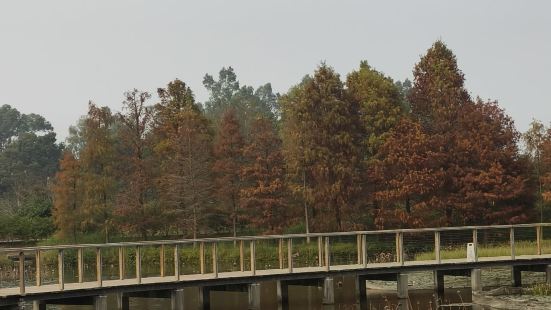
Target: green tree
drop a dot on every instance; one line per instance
(381, 105)
(535, 139)
(29, 155)
(225, 93)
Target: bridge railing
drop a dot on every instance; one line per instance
(212, 257)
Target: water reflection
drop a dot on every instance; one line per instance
(302, 297)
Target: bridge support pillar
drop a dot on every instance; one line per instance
(204, 297)
(361, 292)
(177, 299)
(254, 296)
(123, 301)
(328, 291)
(282, 295)
(38, 305)
(100, 302)
(438, 285)
(476, 280)
(402, 286)
(516, 274)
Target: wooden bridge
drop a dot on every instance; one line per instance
(244, 262)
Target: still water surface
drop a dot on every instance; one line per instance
(300, 297)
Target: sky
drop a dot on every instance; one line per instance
(56, 55)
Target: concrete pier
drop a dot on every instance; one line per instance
(254, 296)
(402, 286)
(123, 301)
(328, 291)
(361, 292)
(476, 280)
(177, 299)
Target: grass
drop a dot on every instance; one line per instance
(457, 252)
(541, 289)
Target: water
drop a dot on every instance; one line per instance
(300, 297)
(381, 294)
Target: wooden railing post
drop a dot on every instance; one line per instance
(60, 270)
(162, 260)
(214, 260)
(280, 252)
(400, 248)
(202, 257)
(122, 264)
(364, 251)
(359, 248)
(241, 255)
(290, 255)
(99, 263)
(80, 265)
(475, 244)
(437, 256)
(512, 240)
(253, 257)
(327, 253)
(139, 264)
(539, 237)
(22, 273)
(320, 251)
(38, 268)
(177, 261)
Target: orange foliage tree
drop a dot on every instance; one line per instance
(228, 153)
(264, 174)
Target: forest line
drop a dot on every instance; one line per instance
(366, 152)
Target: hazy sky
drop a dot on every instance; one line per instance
(57, 55)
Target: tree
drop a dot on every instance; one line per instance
(67, 192)
(381, 105)
(183, 146)
(264, 175)
(325, 137)
(535, 140)
(227, 166)
(29, 155)
(225, 93)
(471, 147)
(133, 205)
(98, 160)
(298, 176)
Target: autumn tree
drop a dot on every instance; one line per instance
(263, 196)
(474, 173)
(183, 146)
(98, 160)
(228, 154)
(67, 192)
(325, 137)
(133, 201)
